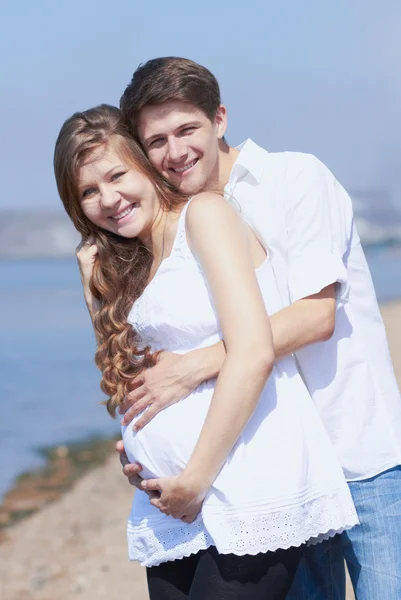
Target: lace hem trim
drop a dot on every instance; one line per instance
(240, 534)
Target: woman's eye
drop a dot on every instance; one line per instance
(88, 192)
(117, 175)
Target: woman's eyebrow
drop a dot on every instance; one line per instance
(89, 184)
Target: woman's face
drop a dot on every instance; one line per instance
(116, 196)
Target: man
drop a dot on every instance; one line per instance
(331, 320)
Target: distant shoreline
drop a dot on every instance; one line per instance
(49, 233)
(68, 253)
(64, 465)
(36, 234)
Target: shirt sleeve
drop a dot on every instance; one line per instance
(319, 223)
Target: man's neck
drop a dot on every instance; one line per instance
(227, 157)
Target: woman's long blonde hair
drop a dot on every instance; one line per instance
(122, 266)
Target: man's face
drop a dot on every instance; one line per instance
(183, 144)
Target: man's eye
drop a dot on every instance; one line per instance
(156, 142)
(188, 130)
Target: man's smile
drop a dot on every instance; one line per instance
(185, 168)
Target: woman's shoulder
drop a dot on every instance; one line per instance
(207, 205)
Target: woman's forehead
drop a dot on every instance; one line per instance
(105, 153)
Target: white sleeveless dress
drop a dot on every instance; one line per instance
(280, 486)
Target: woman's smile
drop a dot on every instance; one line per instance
(124, 215)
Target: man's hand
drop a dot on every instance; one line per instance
(179, 496)
(169, 381)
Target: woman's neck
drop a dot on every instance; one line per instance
(161, 238)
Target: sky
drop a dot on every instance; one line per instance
(306, 75)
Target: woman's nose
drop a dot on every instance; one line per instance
(110, 198)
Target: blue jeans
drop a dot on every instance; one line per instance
(372, 550)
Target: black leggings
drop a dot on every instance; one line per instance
(208, 575)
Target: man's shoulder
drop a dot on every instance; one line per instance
(290, 167)
(282, 170)
(292, 160)
(288, 160)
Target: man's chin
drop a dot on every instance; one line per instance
(190, 187)
(186, 185)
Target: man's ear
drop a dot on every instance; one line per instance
(221, 121)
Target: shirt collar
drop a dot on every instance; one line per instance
(250, 160)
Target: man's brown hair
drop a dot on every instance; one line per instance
(170, 78)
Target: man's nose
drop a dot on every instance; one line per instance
(177, 151)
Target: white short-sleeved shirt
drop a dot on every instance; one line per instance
(305, 218)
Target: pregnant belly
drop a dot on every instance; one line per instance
(164, 446)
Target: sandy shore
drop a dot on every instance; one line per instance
(76, 547)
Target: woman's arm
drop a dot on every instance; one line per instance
(220, 241)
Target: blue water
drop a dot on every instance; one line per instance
(49, 385)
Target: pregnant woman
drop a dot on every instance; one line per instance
(164, 272)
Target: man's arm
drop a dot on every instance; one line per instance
(305, 322)
(319, 222)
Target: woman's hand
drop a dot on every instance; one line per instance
(180, 496)
(86, 253)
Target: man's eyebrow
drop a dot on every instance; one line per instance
(177, 129)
